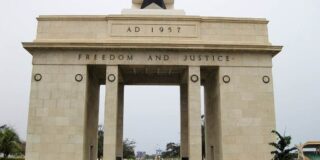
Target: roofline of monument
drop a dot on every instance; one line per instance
(150, 17)
(274, 50)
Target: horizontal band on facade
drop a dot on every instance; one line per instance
(218, 47)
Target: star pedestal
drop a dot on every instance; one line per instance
(172, 12)
(138, 3)
(152, 9)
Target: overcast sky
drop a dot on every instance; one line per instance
(295, 24)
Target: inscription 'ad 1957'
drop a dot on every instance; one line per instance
(154, 30)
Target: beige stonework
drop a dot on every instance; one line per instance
(73, 55)
(194, 113)
(100, 29)
(111, 113)
(247, 113)
(57, 113)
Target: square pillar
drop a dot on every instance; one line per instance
(120, 122)
(57, 113)
(194, 113)
(111, 113)
(184, 121)
(247, 112)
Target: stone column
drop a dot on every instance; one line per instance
(120, 122)
(194, 113)
(184, 121)
(111, 113)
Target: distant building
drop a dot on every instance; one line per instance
(141, 155)
(159, 152)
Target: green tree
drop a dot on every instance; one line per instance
(128, 149)
(172, 151)
(128, 146)
(282, 150)
(10, 143)
(23, 145)
(100, 142)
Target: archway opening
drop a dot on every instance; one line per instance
(152, 117)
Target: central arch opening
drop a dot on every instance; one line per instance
(152, 108)
(152, 117)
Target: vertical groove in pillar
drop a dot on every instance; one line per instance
(92, 116)
(212, 115)
(120, 121)
(194, 114)
(111, 113)
(184, 120)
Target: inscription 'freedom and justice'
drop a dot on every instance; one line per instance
(158, 57)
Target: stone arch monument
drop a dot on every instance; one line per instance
(74, 55)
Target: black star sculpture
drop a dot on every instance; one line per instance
(160, 3)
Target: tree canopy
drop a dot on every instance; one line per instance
(100, 142)
(128, 149)
(172, 151)
(282, 147)
(10, 143)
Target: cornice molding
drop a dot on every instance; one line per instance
(31, 46)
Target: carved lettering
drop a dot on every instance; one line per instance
(166, 58)
(162, 30)
(150, 58)
(129, 57)
(121, 57)
(227, 58)
(159, 58)
(156, 57)
(200, 58)
(112, 57)
(179, 29)
(137, 29)
(104, 57)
